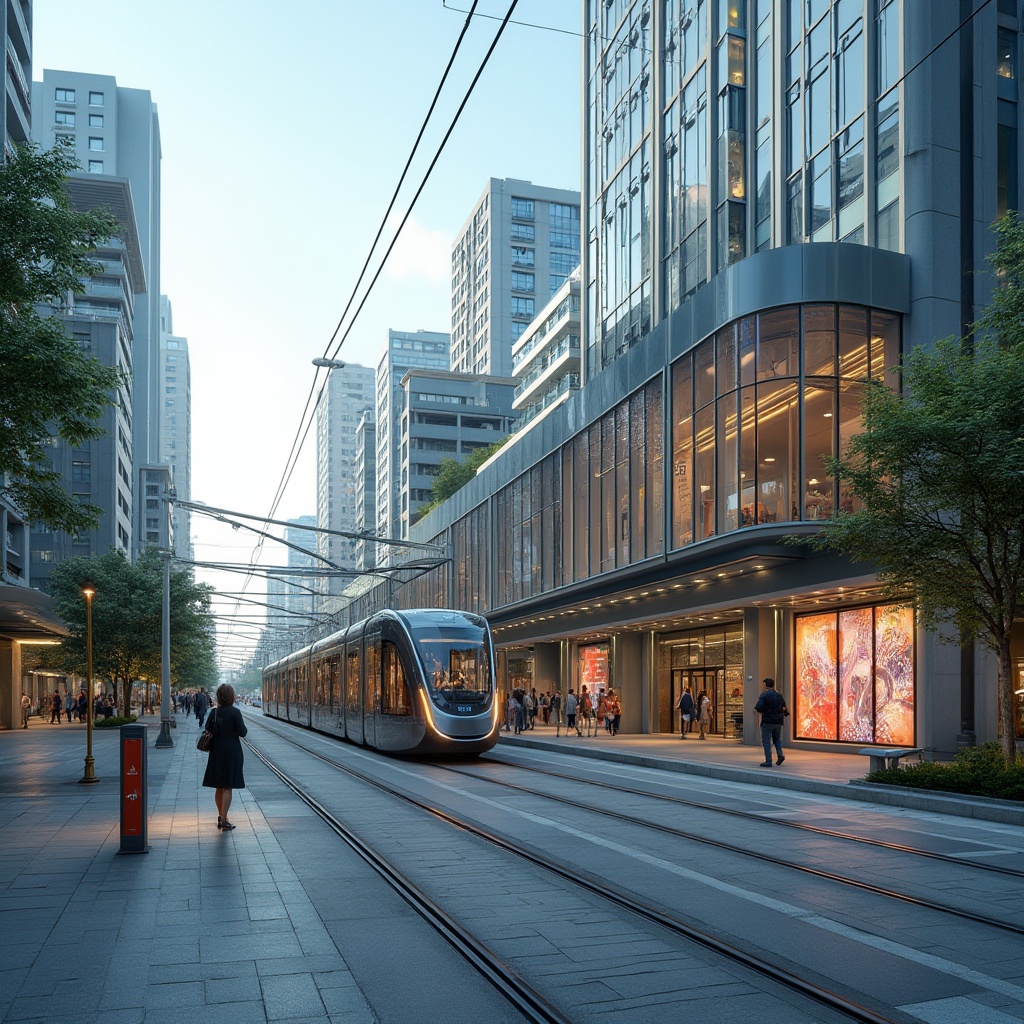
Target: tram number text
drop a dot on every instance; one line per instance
(463, 708)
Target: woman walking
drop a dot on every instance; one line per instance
(224, 762)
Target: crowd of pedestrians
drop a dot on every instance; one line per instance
(579, 713)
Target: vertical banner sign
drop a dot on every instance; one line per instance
(134, 784)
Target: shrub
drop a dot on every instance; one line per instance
(975, 771)
(113, 720)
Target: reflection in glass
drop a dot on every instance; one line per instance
(704, 475)
(820, 341)
(819, 444)
(682, 454)
(777, 343)
(728, 462)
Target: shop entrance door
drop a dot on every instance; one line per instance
(710, 680)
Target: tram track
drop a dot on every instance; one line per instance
(763, 819)
(531, 1003)
(820, 873)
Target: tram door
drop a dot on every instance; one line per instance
(710, 680)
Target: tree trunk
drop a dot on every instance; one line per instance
(1006, 703)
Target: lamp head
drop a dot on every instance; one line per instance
(88, 590)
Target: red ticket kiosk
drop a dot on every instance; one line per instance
(134, 787)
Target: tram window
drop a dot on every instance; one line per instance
(372, 681)
(394, 692)
(336, 681)
(457, 668)
(352, 678)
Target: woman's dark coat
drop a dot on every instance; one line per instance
(224, 762)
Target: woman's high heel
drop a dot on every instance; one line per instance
(227, 826)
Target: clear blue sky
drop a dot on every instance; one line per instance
(285, 127)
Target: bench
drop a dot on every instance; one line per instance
(882, 758)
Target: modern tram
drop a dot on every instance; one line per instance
(410, 682)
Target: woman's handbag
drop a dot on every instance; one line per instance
(206, 739)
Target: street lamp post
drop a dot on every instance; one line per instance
(88, 590)
(164, 739)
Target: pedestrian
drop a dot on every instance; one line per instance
(556, 708)
(614, 713)
(686, 709)
(528, 710)
(200, 705)
(533, 708)
(81, 709)
(56, 706)
(571, 707)
(69, 706)
(224, 760)
(545, 709)
(586, 709)
(26, 708)
(703, 713)
(771, 706)
(518, 711)
(602, 711)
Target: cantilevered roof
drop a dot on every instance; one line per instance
(94, 191)
(27, 614)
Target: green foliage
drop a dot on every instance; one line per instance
(454, 474)
(939, 468)
(976, 771)
(49, 385)
(127, 621)
(113, 721)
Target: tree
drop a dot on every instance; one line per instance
(939, 469)
(454, 474)
(49, 385)
(127, 621)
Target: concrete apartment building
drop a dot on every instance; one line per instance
(175, 434)
(547, 359)
(115, 133)
(102, 471)
(516, 248)
(365, 462)
(16, 32)
(404, 351)
(446, 415)
(349, 392)
(780, 199)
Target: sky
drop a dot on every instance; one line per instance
(284, 128)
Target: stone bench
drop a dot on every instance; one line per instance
(882, 757)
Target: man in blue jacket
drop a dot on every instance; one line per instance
(771, 706)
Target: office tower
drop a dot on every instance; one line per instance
(175, 433)
(404, 351)
(100, 320)
(780, 199)
(365, 462)
(446, 415)
(349, 391)
(115, 134)
(516, 248)
(16, 112)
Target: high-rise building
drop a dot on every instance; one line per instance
(292, 597)
(516, 248)
(365, 462)
(16, 112)
(175, 434)
(404, 351)
(446, 415)
(348, 394)
(780, 199)
(100, 472)
(115, 134)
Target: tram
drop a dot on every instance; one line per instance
(410, 682)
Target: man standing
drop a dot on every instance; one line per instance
(772, 707)
(26, 707)
(200, 706)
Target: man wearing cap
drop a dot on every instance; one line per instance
(773, 711)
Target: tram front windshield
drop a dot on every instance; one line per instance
(456, 662)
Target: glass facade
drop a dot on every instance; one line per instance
(757, 407)
(855, 675)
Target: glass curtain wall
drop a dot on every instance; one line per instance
(752, 421)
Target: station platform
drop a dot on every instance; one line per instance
(219, 926)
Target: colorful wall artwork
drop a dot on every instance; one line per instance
(594, 667)
(855, 675)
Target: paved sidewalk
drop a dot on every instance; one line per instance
(208, 925)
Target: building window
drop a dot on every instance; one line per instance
(95, 99)
(81, 472)
(64, 95)
(522, 209)
(95, 120)
(95, 166)
(95, 144)
(64, 117)
(522, 282)
(522, 306)
(522, 256)
(855, 675)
